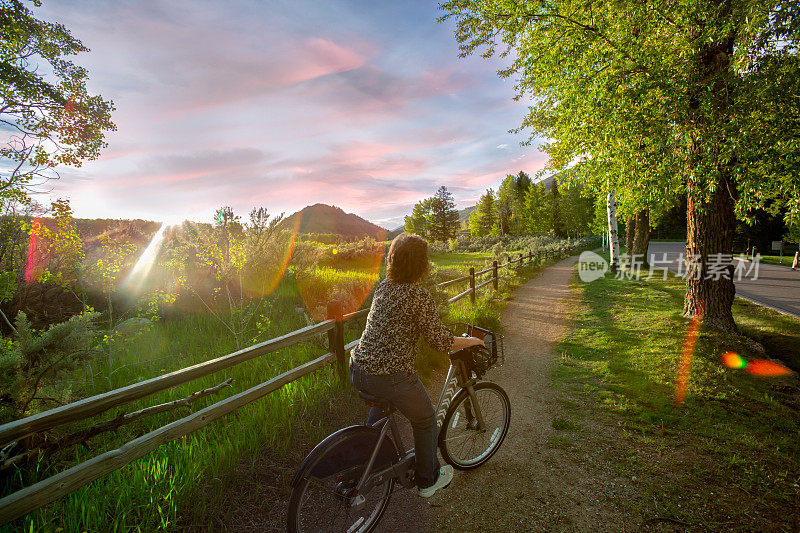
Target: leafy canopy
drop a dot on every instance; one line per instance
(47, 117)
(627, 92)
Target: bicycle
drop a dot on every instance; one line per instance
(345, 483)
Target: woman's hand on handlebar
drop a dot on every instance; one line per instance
(459, 343)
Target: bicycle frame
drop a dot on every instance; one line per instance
(457, 379)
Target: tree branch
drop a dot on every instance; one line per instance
(80, 437)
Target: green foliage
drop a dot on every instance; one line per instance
(419, 220)
(60, 248)
(8, 285)
(511, 203)
(654, 102)
(434, 218)
(577, 211)
(33, 366)
(246, 261)
(52, 118)
(103, 273)
(443, 223)
(321, 285)
(538, 209)
(483, 220)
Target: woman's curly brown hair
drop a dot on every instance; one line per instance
(408, 258)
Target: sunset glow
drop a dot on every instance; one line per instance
(365, 106)
(144, 264)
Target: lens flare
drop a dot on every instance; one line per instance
(757, 367)
(733, 360)
(682, 379)
(766, 368)
(144, 264)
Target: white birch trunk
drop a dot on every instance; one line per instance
(612, 232)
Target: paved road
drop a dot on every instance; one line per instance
(777, 287)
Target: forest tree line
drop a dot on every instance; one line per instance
(520, 206)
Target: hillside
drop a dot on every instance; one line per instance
(322, 218)
(463, 214)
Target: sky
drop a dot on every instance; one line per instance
(282, 104)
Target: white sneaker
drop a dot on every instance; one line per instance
(444, 479)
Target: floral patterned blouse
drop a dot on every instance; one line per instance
(400, 313)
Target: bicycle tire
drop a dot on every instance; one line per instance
(461, 443)
(318, 501)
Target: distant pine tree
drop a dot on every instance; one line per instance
(444, 221)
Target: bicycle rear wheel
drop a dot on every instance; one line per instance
(465, 446)
(323, 497)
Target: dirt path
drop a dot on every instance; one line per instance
(533, 483)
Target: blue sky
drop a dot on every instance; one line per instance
(362, 105)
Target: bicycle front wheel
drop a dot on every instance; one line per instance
(323, 496)
(462, 443)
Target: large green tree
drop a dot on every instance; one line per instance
(511, 202)
(49, 119)
(483, 220)
(419, 219)
(655, 99)
(443, 222)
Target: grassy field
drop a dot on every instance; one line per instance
(773, 259)
(462, 260)
(147, 494)
(728, 458)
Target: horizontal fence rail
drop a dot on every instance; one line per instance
(50, 489)
(108, 400)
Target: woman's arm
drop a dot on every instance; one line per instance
(466, 342)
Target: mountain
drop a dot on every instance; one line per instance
(395, 232)
(463, 214)
(322, 218)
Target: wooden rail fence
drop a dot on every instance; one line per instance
(46, 491)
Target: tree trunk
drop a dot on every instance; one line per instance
(630, 231)
(710, 222)
(613, 233)
(641, 240)
(709, 231)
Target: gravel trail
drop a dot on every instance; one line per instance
(530, 484)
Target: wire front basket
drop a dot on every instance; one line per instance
(493, 341)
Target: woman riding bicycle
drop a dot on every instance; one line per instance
(382, 363)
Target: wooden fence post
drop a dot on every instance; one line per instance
(336, 335)
(494, 274)
(472, 284)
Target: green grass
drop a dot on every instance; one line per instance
(149, 493)
(730, 453)
(462, 260)
(774, 259)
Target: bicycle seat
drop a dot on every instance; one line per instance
(372, 400)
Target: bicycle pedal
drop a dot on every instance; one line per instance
(358, 500)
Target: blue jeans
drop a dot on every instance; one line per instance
(407, 394)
